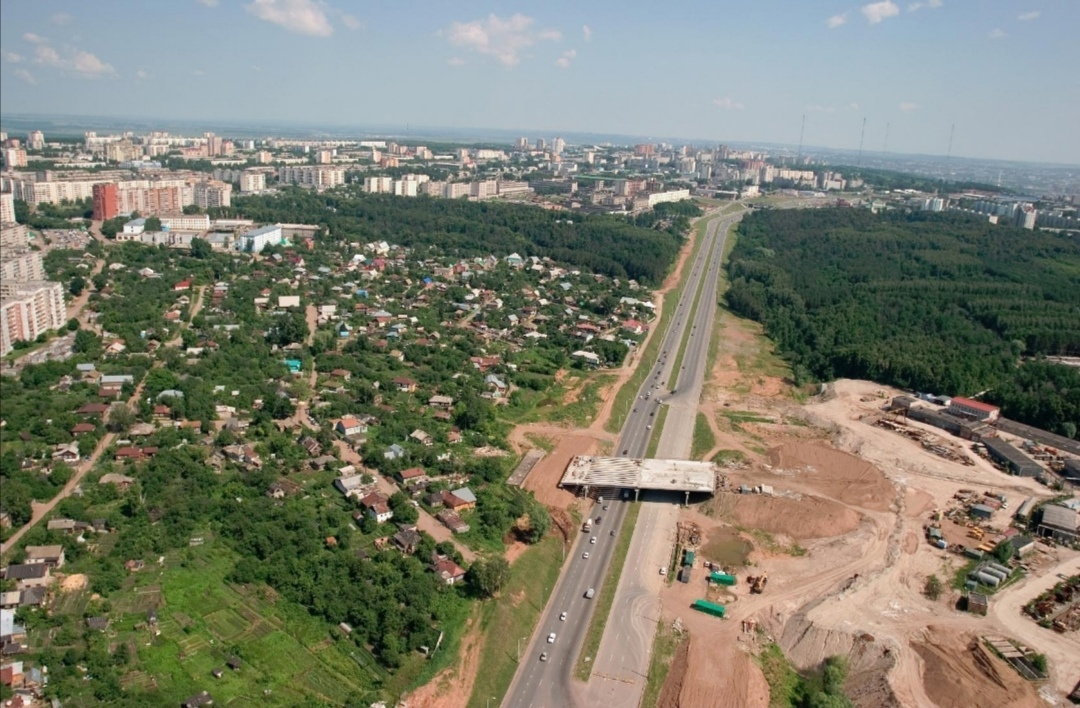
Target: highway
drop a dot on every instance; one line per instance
(547, 683)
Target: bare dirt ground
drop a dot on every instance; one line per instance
(803, 518)
(452, 687)
(957, 675)
(72, 583)
(544, 479)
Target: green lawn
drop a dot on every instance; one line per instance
(626, 394)
(703, 437)
(658, 428)
(664, 646)
(510, 618)
(606, 597)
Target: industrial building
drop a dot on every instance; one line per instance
(977, 410)
(1060, 523)
(1015, 461)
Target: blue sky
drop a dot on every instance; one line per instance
(1004, 71)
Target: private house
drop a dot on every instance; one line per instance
(455, 503)
(82, 429)
(406, 540)
(351, 486)
(377, 506)
(349, 425)
(454, 436)
(412, 475)
(122, 481)
(243, 454)
(311, 446)
(497, 388)
(451, 520)
(443, 402)
(423, 438)
(405, 385)
(98, 409)
(52, 556)
(28, 575)
(449, 572)
(394, 452)
(66, 452)
(588, 358)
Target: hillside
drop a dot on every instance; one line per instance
(935, 302)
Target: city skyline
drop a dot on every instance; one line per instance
(561, 68)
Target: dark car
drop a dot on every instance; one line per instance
(598, 518)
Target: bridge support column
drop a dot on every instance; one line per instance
(687, 502)
(637, 493)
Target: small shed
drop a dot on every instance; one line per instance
(233, 662)
(977, 603)
(981, 511)
(684, 574)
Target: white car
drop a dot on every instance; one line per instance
(585, 555)
(562, 617)
(592, 540)
(648, 427)
(551, 638)
(543, 657)
(663, 570)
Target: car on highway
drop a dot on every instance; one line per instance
(585, 555)
(543, 657)
(562, 617)
(605, 508)
(590, 593)
(551, 638)
(626, 451)
(648, 427)
(599, 518)
(593, 540)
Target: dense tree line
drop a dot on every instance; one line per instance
(609, 245)
(937, 302)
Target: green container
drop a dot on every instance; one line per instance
(709, 608)
(722, 578)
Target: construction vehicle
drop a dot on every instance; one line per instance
(757, 583)
(976, 533)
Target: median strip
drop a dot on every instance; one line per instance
(658, 427)
(674, 378)
(605, 597)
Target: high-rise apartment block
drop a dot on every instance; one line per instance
(558, 146)
(378, 185)
(1025, 217)
(264, 157)
(14, 157)
(28, 309)
(252, 181)
(20, 266)
(212, 194)
(35, 140)
(522, 143)
(106, 201)
(320, 177)
(7, 208)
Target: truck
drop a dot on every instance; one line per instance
(587, 526)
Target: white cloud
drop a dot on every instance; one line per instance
(199, 72)
(256, 67)
(853, 106)
(875, 12)
(61, 18)
(997, 34)
(34, 38)
(836, 20)
(351, 22)
(78, 62)
(299, 16)
(727, 104)
(503, 39)
(26, 76)
(566, 58)
(12, 57)
(455, 61)
(140, 75)
(820, 109)
(1026, 16)
(587, 32)
(208, 3)
(929, 4)
(908, 106)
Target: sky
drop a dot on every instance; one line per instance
(1005, 72)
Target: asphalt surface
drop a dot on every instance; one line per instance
(547, 683)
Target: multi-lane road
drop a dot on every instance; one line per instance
(546, 682)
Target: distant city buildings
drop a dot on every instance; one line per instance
(212, 194)
(320, 177)
(252, 181)
(29, 304)
(35, 140)
(7, 208)
(14, 157)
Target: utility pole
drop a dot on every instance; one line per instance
(802, 131)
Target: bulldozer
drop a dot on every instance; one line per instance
(757, 583)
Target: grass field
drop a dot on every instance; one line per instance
(606, 597)
(580, 412)
(781, 677)
(508, 620)
(664, 645)
(703, 437)
(658, 428)
(203, 620)
(625, 395)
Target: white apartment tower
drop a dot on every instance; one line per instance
(7, 208)
(35, 140)
(251, 181)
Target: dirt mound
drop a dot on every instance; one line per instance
(806, 518)
(837, 474)
(544, 478)
(673, 684)
(958, 672)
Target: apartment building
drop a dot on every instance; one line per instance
(28, 309)
(53, 192)
(378, 185)
(7, 208)
(21, 266)
(14, 157)
(214, 193)
(13, 236)
(35, 140)
(251, 181)
(186, 222)
(320, 177)
(255, 241)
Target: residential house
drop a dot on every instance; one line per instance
(452, 520)
(67, 452)
(466, 495)
(444, 402)
(311, 445)
(454, 502)
(405, 385)
(243, 454)
(406, 540)
(67, 526)
(82, 429)
(52, 556)
(343, 374)
(28, 575)
(423, 438)
(589, 358)
(377, 506)
(122, 481)
(394, 452)
(454, 436)
(496, 386)
(97, 409)
(350, 426)
(412, 475)
(351, 486)
(449, 572)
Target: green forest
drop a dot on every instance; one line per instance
(608, 245)
(932, 302)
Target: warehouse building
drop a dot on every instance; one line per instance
(1015, 461)
(1060, 523)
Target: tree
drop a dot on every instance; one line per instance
(404, 511)
(539, 522)
(1004, 551)
(487, 576)
(100, 281)
(192, 209)
(200, 248)
(1039, 662)
(152, 224)
(932, 589)
(120, 418)
(86, 342)
(78, 283)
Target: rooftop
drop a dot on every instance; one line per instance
(977, 405)
(675, 475)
